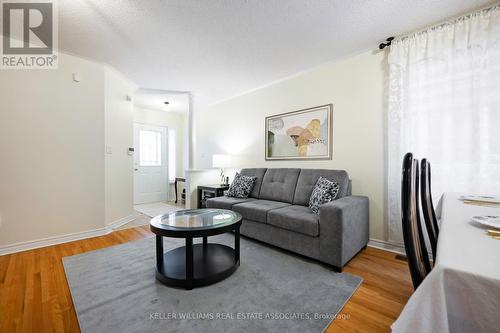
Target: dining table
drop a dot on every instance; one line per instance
(462, 291)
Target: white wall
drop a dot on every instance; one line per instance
(51, 151)
(56, 183)
(119, 188)
(195, 178)
(355, 87)
(172, 120)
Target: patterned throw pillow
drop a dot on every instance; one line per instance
(324, 191)
(241, 186)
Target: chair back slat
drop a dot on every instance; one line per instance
(427, 205)
(416, 251)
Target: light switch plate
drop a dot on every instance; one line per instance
(109, 150)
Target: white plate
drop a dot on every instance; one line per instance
(488, 220)
(481, 198)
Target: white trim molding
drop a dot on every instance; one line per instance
(387, 246)
(398, 248)
(30, 245)
(49, 241)
(118, 223)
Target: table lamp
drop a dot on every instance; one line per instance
(221, 161)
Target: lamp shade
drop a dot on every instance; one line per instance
(221, 161)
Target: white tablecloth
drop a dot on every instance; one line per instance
(462, 292)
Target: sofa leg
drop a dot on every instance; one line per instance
(364, 247)
(337, 269)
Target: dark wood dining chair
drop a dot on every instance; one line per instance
(428, 212)
(416, 251)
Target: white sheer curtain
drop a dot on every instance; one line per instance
(444, 104)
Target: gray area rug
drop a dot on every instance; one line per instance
(115, 290)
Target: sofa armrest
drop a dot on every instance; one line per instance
(344, 228)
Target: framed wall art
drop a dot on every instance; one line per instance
(302, 134)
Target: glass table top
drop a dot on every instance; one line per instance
(196, 219)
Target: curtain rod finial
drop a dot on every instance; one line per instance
(387, 43)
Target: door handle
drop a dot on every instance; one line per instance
(136, 169)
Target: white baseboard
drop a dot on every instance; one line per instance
(30, 245)
(391, 247)
(387, 246)
(118, 223)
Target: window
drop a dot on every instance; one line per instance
(171, 155)
(150, 142)
(444, 105)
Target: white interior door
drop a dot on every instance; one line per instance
(150, 164)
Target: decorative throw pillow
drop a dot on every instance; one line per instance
(324, 191)
(241, 186)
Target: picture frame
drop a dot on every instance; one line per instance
(305, 134)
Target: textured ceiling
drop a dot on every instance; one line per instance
(220, 48)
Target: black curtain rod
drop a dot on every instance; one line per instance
(388, 42)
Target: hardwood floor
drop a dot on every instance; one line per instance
(34, 294)
(379, 300)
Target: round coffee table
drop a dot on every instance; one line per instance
(202, 263)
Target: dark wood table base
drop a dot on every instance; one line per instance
(196, 265)
(178, 179)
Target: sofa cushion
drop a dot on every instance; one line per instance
(255, 172)
(279, 184)
(226, 202)
(256, 210)
(295, 218)
(308, 178)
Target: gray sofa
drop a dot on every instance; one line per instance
(277, 212)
